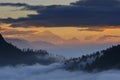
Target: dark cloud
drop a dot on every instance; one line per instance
(14, 4)
(85, 12)
(15, 32)
(108, 37)
(92, 29)
(26, 6)
(102, 3)
(8, 31)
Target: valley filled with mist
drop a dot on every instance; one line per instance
(59, 39)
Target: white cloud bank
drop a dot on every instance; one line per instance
(53, 72)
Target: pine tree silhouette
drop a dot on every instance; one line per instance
(11, 55)
(101, 60)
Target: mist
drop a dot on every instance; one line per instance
(53, 72)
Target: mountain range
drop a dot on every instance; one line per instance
(45, 40)
(11, 55)
(50, 37)
(100, 60)
(20, 43)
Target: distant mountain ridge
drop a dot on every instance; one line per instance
(24, 44)
(50, 37)
(42, 45)
(20, 43)
(101, 60)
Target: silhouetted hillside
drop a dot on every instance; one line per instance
(11, 55)
(109, 59)
(105, 59)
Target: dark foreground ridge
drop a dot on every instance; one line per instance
(11, 55)
(101, 60)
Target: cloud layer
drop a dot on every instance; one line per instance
(53, 72)
(108, 37)
(102, 3)
(85, 12)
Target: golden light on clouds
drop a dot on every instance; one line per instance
(14, 12)
(62, 33)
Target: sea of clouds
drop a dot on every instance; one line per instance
(53, 72)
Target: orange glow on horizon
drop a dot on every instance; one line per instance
(108, 35)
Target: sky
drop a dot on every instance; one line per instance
(40, 2)
(62, 22)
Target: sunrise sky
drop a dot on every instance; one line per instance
(84, 35)
(61, 22)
